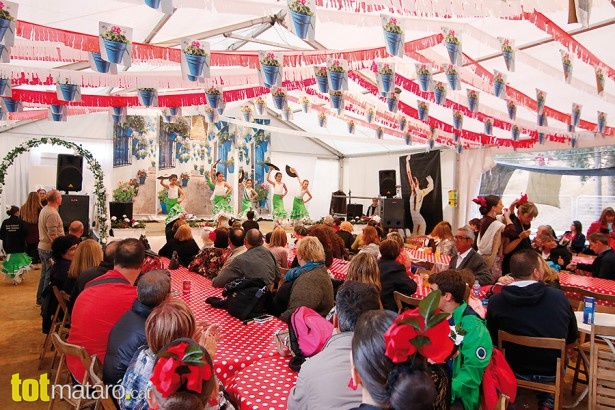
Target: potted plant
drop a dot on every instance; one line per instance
(336, 74)
(439, 91)
(403, 123)
(68, 90)
(541, 97)
(305, 104)
(322, 119)
(387, 77)
(488, 123)
(123, 195)
(511, 106)
(472, 100)
(369, 115)
(337, 97)
(457, 119)
(515, 131)
(213, 96)
(163, 195)
(408, 138)
(392, 101)
(321, 79)
(498, 85)
(452, 45)
(279, 98)
(210, 114)
(351, 126)
(423, 74)
(271, 69)
(393, 33)
(601, 122)
(202, 169)
(259, 105)
(125, 227)
(301, 15)
(507, 53)
(134, 123)
(141, 174)
(5, 19)
(262, 191)
(115, 42)
(147, 95)
(246, 111)
(185, 177)
(196, 57)
(423, 110)
(101, 65)
(177, 128)
(379, 133)
(452, 76)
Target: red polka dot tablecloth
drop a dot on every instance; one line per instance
(604, 286)
(440, 261)
(240, 345)
(263, 385)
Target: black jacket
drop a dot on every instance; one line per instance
(603, 266)
(534, 310)
(186, 250)
(393, 277)
(126, 336)
(476, 264)
(347, 237)
(13, 234)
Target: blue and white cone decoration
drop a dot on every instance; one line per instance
(574, 141)
(455, 137)
(515, 131)
(403, 123)
(379, 133)
(408, 138)
(541, 138)
(351, 127)
(458, 148)
(431, 143)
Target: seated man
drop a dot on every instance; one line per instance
(475, 349)
(323, 380)
(236, 237)
(527, 307)
(103, 301)
(604, 264)
(255, 262)
(467, 258)
(128, 334)
(76, 229)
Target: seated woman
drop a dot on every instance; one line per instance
(330, 241)
(393, 275)
(442, 236)
(404, 257)
(605, 224)
(387, 380)
(210, 260)
(62, 251)
(170, 320)
(345, 233)
(371, 241)
(88, 255)
(183, 243)
(277, 246)
(309, 283)
(574, 239)
(364, 268)
(557, 256)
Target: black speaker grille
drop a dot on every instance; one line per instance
(393, 213)
(387, 182)
(70, 173)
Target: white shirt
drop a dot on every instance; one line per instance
(173, 192)
(461, 257)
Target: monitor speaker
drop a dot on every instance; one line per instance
(70, 173)
(393, 213)
(354, 210)
(387, 182)
(75, 208)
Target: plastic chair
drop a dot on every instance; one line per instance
(602, 368)
(401, 300)
(58, 325)
(540, 343)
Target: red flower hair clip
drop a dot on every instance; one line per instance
(424, 331)
(181, 365)
(212, 236)
(522, 200)
(480, 200)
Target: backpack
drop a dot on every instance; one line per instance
(244, 298)
(308, 333)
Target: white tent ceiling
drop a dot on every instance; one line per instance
(345, 26)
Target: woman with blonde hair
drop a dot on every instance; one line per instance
(183, 243)
(364, 268)
(442, 235)
(309, 282)
(345, 233)
(88, 255)
(29, 213)
(277, 246)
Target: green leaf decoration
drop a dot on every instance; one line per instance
(410, 321)
(435, 319)
(420, 341)
(194, 355)
(460, 330)
(429, 304)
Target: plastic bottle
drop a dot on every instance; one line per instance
(476, 289)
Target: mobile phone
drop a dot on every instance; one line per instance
(263, 318)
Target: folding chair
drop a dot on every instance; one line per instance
(59, 322)
(401, 300)
(602, 368)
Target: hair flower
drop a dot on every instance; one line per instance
(480, 200)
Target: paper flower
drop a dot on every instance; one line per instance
(246, 108)
(472, 94)
(439, 86)
(115, 34)
(488, 122)
(195, 49)
(450, 70)
(321, 72)
(540, 96)
(4, 13)
(422, 105)
(599, 74)
(279, 92)
(213, 91)
(322, 115)
(499, 78)
(392, 27)
(386, 70)
(506, 47)
(511, 104)
(336, 67)
(451, 38)
(270, 60)
(422, 70)
(336, 93)
(457, 114)
(259, 100)
(305, 100)
(300, 6)
(601, 116)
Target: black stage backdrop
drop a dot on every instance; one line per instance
(422, 216)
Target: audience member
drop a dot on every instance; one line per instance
(404, 257)
(467, 258)
(277, 246)
(336, 224)
(474, 225)
(89, 254)
(76, 229)
(373, 209)
(475, 349)
(87, 275)
(574, 239)
(310, 283)
(42, 196)
(128, 334)
(236, 237)
(346, 234)
(442, 236)
(393, 275)
(364, 268)
(29, 213)
(209, 261)
(206, 237)
(255, 262)
(174, 220)
(183, 243)
(330, 241)
(489, 241)
(371, 241)
(322, 381)
(103, 301)
(527, 307)
(604, 264)
(557, 256)
(50, 226)
(250, 223)
(605, 224)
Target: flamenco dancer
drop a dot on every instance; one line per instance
(222, 191)
(299, 210)
(279, 191)
(13, 235)
(249, 195)
(175, 195)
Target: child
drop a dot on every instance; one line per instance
(175, 193)
(299, 210)
(222, 190)
(13, 235)
(183, 377)
(279, 191)
(249, 195)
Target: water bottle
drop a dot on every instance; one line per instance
(589, 309)
(476, 289)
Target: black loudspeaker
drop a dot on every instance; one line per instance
(393, 213)
(387, 182)
(354, 210)
(119, 209)
(338, 203)
(75, 208)
(70, 173)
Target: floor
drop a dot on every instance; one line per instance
(21, 339)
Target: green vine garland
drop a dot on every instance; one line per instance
(99, 187)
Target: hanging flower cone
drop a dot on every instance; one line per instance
(379, 133)
(423, 74)
(305, 104)
(567, 65)
(508, 52)
(452, 76)
(541, 138)
(599, 80)
(488, 124)
(458, 148)
(210, 114)
(337, 99)
(499, 85)
(393, 36)
(574, 142)
(456, 137)
(246, 112)
(601, 125)
(351, 127)
(386, 76)
(323, 82)
(431, 143)
(541, 97)
(515, 131)
(541, 120)
(423, 110)
(369, 115)
(260, 105)
(408, 138)
(440, 93)
(457, 120)
(576, 114)
(287, 114)
(453, 46)
(472, 100)
(403, 123)
(511, 106)
(392, 103)
(322, 120)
